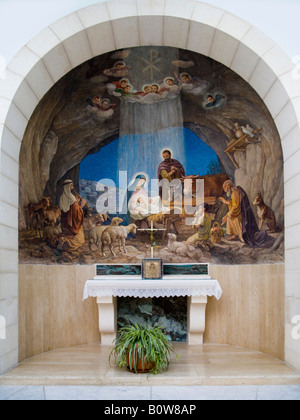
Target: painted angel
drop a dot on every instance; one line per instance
(103, 109)
(215, 101)
(120, 69)
(193, 85)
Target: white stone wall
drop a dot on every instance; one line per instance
(119, 24)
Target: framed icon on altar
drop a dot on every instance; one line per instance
(152, 269)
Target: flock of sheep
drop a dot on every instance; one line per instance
(45, 219)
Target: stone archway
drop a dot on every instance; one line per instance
(114, 25)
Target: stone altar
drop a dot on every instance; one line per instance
(107, 288)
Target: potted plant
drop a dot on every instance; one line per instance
(142, 349)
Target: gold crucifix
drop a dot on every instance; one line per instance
(152, 231)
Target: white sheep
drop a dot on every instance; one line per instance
(182, 248)
(95, 234)
(92, 221)
(116, 234)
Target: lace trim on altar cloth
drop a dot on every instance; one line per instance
(215, 291)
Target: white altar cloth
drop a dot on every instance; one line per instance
(107, 288)
(134, 286)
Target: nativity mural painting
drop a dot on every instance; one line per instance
(151, 137)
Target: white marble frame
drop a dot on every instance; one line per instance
(104, 27)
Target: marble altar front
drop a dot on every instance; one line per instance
(197, 288)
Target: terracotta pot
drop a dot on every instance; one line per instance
(147, 366)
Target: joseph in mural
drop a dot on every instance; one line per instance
(169, 169)
(72, 216)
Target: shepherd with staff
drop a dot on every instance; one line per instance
(71, 204)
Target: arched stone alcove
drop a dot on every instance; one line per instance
(115, 25)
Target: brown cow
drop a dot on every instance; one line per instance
(213, 184)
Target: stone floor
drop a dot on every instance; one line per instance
(202, 372)
(153, 393)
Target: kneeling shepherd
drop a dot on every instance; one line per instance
(204, 228)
